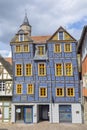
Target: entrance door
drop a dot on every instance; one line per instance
(65, 113)
(19, 114)
(43, 112)
(28, 115)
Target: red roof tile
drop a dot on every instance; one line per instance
(9, 59)
(40, 39)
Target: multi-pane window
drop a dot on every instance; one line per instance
(30, 89)
(60, 35)
(26, 48)
(18, 48)
(19, 89)
(18, 70)
(41, 50)
(41, 69)
(58, 69)
(59, 92)
(70, 92)
(67, 47)
(57, 48)
(2, 86)
(28, 70)
(68, 69)
(43, 92)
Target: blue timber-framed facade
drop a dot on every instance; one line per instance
(52, 77)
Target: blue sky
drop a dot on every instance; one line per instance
(45, 17)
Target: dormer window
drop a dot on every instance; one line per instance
(41, 50)
(21, 37)
(60, 36)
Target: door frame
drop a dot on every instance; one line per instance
(41, 108)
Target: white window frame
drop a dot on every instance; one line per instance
(39, 92)
(20, 37)
(58, 35)
(55, 69)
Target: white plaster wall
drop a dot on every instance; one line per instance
(12, 113)
(54, 113)
(35, 113)
(76, 117)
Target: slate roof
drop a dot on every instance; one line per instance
(26, 22)
(6, 65)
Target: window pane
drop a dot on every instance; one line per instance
(21, 37)
(59, 92)
(57, 48)
(18, 69)
(41, 50)
(68, 69)
(67, 48)
(43, 92)
(30, 89)
(42, 70)
(26, 48)
(18, 48)
(58, 69)
(2, 86)
(28, 69)
(60, 35)
(70, 91)
(19, 89)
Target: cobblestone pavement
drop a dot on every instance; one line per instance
(43, 126)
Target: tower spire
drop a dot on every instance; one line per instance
(25, 25)
(26, 22)
(25, 12)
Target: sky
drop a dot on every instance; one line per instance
(45, 17)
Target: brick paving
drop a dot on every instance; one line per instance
(43, 126)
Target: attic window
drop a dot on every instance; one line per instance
(40, 50)
(60, 36)
(21, 37)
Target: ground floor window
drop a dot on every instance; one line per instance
(5, 111)
(65, 114)
(24, 114)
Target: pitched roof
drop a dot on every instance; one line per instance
(15, 39)
(61, 29)
(82, 37)
(40, 39)
(9, 59)
(6, 65)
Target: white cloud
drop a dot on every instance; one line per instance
(44, 16)
(4, 53)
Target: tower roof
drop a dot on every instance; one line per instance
(26, 22)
